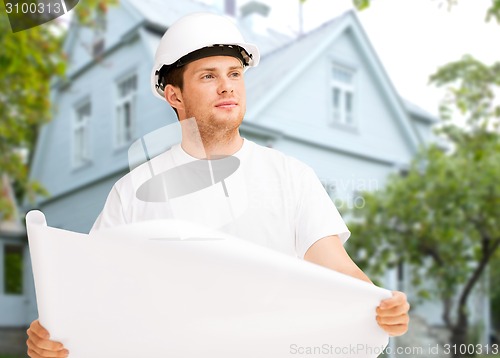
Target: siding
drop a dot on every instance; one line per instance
(54, 154)
(303, 109)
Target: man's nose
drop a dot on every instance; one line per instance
(225, 85)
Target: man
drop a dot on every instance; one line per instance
(199, 71)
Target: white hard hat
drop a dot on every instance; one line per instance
(215, 34)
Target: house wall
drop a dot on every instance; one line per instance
(120, 20)
(78, 210)
(304, 109)
(342, 174)
(54, 153)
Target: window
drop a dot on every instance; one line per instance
(125, 111)
(343, 96)
(13, 269)
(81, 134)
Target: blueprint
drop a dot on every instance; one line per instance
(174, 289)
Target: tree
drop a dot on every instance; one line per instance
(495, 291)
(492, 12)
(442, 217)
(29, 60)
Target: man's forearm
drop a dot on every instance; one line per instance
(329, 252)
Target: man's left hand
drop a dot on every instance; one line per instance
(392, 314)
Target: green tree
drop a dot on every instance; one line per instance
(495, 291)
(29, 61)
(442, 217)
(492, 12)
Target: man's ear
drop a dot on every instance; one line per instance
(173, 95)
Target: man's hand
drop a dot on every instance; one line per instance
(392, 314)
(39, 344)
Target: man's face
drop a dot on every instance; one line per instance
(214, 94)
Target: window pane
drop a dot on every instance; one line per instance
(128, 86)
(128, 121)
(78, 145)
(336, 98)
(80, 132)
(336, 104)
(342, 75)
(13, 269)
(83, 113)
(127, 89)
(348, 108)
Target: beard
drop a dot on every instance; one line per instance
(213, 130)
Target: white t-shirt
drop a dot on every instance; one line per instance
(271, 199)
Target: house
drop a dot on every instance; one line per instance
(323, 98)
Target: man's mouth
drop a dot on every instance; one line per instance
(226, 104)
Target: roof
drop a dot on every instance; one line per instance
(164, 12)
(420, 113)
(276, 65)
(277, 71)
(160, 14)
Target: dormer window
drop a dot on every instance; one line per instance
(343, 89)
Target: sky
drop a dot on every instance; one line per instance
(412, 38)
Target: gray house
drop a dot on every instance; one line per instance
(323, 98)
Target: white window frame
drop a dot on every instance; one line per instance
(345, 89)
(123, 134)
(81, 128)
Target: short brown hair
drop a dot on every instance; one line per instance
(175, 77)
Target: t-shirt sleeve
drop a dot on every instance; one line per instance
(112, 213)
(317, 216)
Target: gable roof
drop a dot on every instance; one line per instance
(160, 14)
(163, 13)
(420, 113)
(278, 69)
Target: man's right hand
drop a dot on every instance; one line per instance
(40, 345)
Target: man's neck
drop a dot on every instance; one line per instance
(213, 147)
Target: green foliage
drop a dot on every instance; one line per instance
(471, 88)
(361, 4)
(29, 60)
(439, 217)
(442, 217)
(495, 291)
(493, 11)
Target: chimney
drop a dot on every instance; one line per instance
(230, 7)
(254, 15)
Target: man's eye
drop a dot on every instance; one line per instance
(235, 74)
(208, 76)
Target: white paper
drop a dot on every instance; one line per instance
(140, 291)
